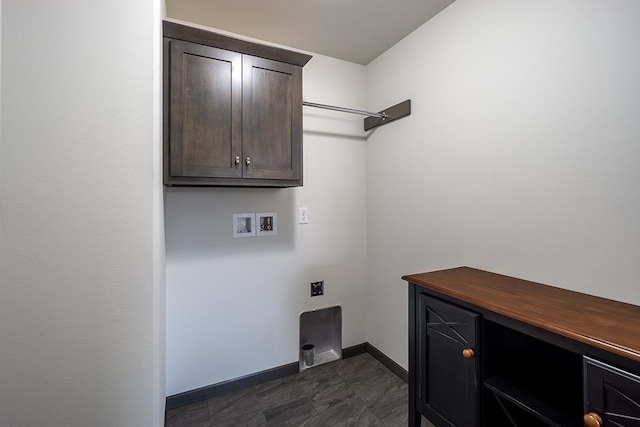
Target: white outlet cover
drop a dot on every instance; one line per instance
(303, 215)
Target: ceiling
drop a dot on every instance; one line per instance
(354, 30)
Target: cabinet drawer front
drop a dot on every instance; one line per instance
(272, 118)
(612, 393)
(448, 388)
(205, 111)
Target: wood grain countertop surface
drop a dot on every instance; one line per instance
(599, 322)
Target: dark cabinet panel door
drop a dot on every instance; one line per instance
(447, 366)
(205, 111)
(611, 393)
(272, 119)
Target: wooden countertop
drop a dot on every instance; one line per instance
(606, 324)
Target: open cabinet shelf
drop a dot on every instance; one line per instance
(541, 380)
(539, 412)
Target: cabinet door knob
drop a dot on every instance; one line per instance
(592, 420)
(247, 161)
(237, 160)
(468, 353)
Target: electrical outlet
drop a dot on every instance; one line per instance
(303, 215)
(317, 288)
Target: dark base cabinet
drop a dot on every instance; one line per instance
(491, 350)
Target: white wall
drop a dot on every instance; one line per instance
(81, 260)
(233, 305)
(159, 256)
(521, 155)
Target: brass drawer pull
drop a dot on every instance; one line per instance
(592, 420)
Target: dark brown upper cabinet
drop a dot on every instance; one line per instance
(232, 111)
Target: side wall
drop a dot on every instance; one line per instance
(521, 155)
(233, 305)
(80, 262)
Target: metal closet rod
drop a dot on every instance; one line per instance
(382, 115)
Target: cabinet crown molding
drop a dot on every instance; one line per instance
(176, 31)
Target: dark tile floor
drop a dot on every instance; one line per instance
(358, 391)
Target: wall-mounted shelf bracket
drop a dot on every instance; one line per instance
(396, 112)
(372, 120)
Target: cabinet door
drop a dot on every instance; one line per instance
(447, 385)
(272, 119)
(205, 111)
(611, 393)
